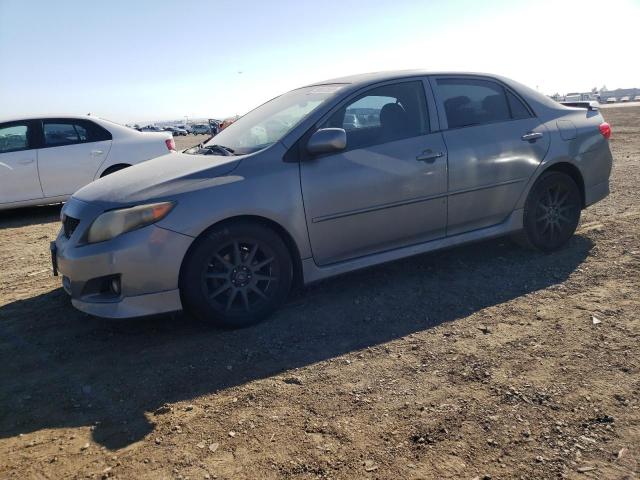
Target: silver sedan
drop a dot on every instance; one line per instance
(327, 179)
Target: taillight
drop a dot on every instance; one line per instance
(171, 144)
(605, 130)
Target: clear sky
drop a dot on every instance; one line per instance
(143, 60)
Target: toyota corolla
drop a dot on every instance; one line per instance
(327, 179)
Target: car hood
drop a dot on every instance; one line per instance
(161, 177)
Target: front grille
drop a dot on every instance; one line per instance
(69, 224)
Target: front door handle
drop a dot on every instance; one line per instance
(95, 153)
(429, 156)
(25, 161)
(531, 136)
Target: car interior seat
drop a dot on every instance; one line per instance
(394, 120)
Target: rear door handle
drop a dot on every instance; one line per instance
(531, 136)
(25, 161)
(429, 156)
(95, 153)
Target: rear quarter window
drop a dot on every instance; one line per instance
(518, 109)
(96, 132)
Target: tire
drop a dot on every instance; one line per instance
(551, 212)
(236, 275)
(113, 169)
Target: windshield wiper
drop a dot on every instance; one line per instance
(218, 148)
(202, 149)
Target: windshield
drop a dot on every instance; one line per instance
(268, 123)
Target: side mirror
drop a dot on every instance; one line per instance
(327, 140)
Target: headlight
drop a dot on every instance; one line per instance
(116, 222)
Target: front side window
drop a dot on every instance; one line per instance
(470, 102)
(268, 123)
(13, 138)
(383, 114)
(365, 112)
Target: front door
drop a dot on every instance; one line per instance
(18, 163)
(387, 189)
(495, 144)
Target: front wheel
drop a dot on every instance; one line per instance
(551, 212)
(236, 275)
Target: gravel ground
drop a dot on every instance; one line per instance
(485, 361)
(189, 141)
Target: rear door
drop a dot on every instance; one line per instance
(18, 163)
(72, 151)
(495, 143)
(387, 189)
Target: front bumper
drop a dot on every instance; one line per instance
(130, 307)
(146, 263)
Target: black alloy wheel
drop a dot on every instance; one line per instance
(552, 211)
(236, 275)
(241, 276)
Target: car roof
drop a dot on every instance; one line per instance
(352, 83)
(113, 127)
(51, 115)
(374, 77)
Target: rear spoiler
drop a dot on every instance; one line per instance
(589, 105)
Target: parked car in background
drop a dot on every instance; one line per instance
(175, 131)
(351, 122)
(201, 129)
(611, 100)
(226, 122)
(229, 227)
(624, 99)
(214, 126)
(580, 97)
(636, 98)
(44, 160)
(186, 128)
(151, 128)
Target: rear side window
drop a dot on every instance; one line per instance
(383, 114)
(63, 134)
(470, 102)
(70, 132)
(14, 137)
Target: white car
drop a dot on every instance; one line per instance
(45, 160)
(611, 100)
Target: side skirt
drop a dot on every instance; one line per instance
(313, 273)
(42, 201)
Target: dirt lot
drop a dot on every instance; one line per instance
(189, 141)
(479, 362)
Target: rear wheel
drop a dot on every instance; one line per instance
(114, 168)
(551, 212)
(236, 275)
